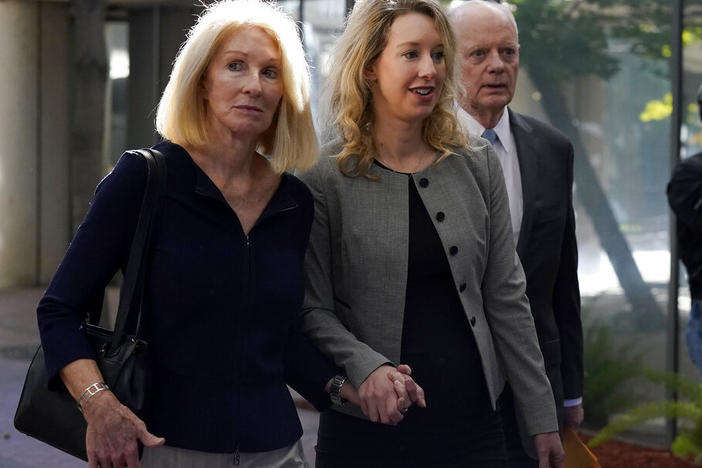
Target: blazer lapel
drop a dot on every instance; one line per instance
(527, 155)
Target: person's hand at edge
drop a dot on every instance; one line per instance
(550, 450)
(573, 416)
(112, 433)
(407, 388)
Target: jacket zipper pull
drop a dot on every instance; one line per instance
(236, 456)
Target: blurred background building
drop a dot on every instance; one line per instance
(80, 80)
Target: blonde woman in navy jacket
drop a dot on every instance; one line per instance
(225, 281)
(411, 257)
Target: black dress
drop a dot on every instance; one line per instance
(458, 428)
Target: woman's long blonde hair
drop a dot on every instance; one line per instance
(291, 141)
(349, 91)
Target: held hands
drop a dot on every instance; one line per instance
(387, 392)
(550, 450)
(112, 434)
(407, 390)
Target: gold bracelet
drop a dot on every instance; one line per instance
(90, 392)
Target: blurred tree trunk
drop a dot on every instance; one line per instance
(576, 37)
(89, 77)
(647, 312)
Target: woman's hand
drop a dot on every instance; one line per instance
(550, 450)
(407, 390)
(386, 394)
(113, 432)
(379, 399)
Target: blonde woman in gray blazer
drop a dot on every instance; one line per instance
(411, 258)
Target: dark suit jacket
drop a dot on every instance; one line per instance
(548, 251)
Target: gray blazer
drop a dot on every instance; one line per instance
(356, 270)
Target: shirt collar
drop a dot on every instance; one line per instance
(474, 128)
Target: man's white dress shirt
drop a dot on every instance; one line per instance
(506, 150)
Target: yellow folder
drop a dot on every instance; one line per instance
(578, 455)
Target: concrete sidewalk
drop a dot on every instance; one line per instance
(19, 339)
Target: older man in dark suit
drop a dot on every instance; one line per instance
(537, 161)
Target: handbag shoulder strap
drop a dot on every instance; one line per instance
(130, 292)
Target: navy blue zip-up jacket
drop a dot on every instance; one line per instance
(221, 306)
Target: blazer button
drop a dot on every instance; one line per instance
(472, 321)
(453, 250)
(440, 216)
(424, 182)
(462, 287)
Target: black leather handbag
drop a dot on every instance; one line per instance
(52, 416)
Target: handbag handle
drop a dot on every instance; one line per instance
(132, 284)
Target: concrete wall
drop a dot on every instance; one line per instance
(54, 219)
(46, 109)
(155, 35)
(33, 154)
(19, 127)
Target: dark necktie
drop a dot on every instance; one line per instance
(490, 136)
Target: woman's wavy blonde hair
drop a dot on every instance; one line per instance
(291, 141)
(349, 91)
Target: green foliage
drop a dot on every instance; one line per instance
(608, 368)
(687, 388)
(636, 416)
(689, 442)
(563, 40)
(685, 444)
(566, 39)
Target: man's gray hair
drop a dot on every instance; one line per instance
(456, 9)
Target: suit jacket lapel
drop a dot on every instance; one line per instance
(527, 155)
